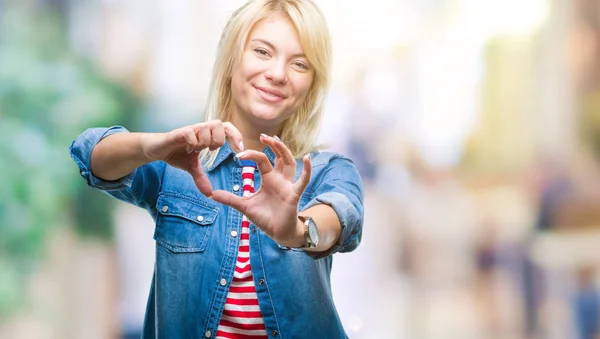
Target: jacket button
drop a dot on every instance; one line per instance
(261, 282)
(200, 218)
(253, 229)
(165, 209)
(236, 187)
(207, 334)
(275, 333)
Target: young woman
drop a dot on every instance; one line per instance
(248, 213)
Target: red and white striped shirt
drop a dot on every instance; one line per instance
(241, 317)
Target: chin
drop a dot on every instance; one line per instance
(267, 115)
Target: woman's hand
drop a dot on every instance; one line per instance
(179, 147)
(274, 208)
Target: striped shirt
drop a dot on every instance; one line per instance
(241, 317)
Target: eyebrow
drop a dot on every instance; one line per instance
(270, 45)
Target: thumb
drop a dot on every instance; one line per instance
(230, 199)
(200, 178)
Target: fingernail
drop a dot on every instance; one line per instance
(241, 146)
(241, 154)
(276, 138)
(189, 150)
(264, 135)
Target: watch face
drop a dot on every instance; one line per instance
(313, 232)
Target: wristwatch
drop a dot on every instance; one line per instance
(311, 232)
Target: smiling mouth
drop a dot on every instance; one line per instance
(268, 95)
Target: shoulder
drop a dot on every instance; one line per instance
(329, 159)
(328, 166)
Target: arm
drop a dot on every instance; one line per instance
(337, 207)
(330, 228)
(138, 186)
(117, 155)
(123, 163)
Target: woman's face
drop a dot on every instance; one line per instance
(273, 77)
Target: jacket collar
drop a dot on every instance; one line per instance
(226, 151)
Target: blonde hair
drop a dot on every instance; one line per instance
(299, 132)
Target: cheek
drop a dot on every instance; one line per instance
(249, 67)
(302, 88)
(238, 73)
(237, 89)
(242, 78)
(239, 82)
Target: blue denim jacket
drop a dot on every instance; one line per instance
(196, 249)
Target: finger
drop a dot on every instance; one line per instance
(235, 135)
(275, 143)
(302, 182)
(200, 178)
(217, 135)
(278, 161)
(285, 155)
(261, 160)
(190, 139)
(204, 138)
(230, 199)
(289, 163)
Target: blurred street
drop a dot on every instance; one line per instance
(475, 126)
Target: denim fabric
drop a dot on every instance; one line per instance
(196, 253)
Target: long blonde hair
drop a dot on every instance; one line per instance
(299, 132)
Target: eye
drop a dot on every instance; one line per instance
(261, 51)
(301, 65)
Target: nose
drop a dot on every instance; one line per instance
(277, 71)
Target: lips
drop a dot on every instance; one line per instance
(269, 94)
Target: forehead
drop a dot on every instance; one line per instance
(278, 30)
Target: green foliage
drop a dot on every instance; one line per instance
(48, 95)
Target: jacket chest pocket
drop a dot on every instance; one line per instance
(184, 224)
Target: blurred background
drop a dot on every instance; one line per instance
(475, 125)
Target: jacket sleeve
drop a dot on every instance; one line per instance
(139, 188)
(341, 187)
